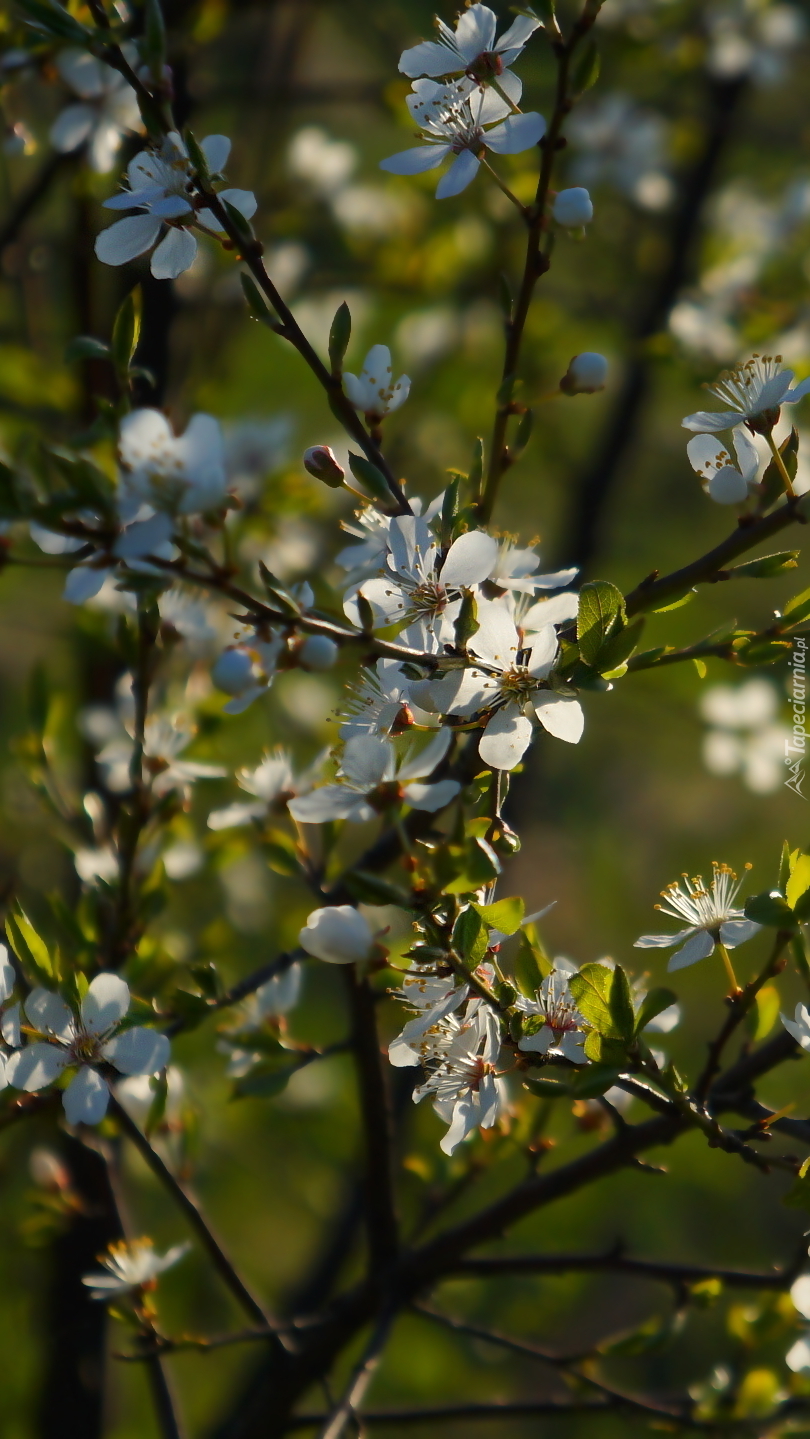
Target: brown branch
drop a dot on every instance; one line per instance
(383, 1236)
(615, 1262)
(739, 1006)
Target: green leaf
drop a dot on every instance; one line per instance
(591, 991)
(798, 1196)
(799, 881)
(157, 1109)
(505, 914)
(282, 854)
(467, 623)
(481, 867)
(54, 20)
(547, 1088)
(371, 478)
(770, 908)
(476, 474)
(528, 972)
(30, 949)
(586, 70)
(594, 1080)
(450, 508)
(523, 434)
(84, 347)
(470, 938)
(339, 337)
(277, 593)
(785, 862)
(371, 889)
(654, 1004)
(256, 304)
(621, 1005)
(154, 41)
(616, 650)
(241, 226)
(196, 155)
(601, 1049)
(766, 568)
(797, 608)
(601, 613)
(126, 331)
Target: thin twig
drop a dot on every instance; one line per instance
(357, 1388)
(192, 1212)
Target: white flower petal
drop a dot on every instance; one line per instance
(416, 161)
(429, 58)
(561, 715)
(712, 421)
(86, 1098)
(551, 612)
(737, 931)
(368, 760)
(461, 174)
(70, 129)
(337, 934)
(216, 149)
(138, 1051)
(506, 738)
(423, 764)
(331, 801)
(105, 1003)
(46, 1011)
(7, 975)
(800, 1295)
(464, 1121)
(242, 200)
(470, 559)
(517, 133)
(35, 1066)
(174, 254)
(727, 487)
(431, 797)
(83, 583)
(698, 947)
(126, 239)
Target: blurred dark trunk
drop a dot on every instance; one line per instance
(584, 533)
(71, 1396)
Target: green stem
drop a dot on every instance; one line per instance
(780, 465)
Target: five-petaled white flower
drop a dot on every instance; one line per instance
(161, 185)
(509, 677)
(107, 110)
(131, 1264)
(462, 120)
(754, 391)
(710, 915)
(723, 481)
(374, 390)
(562, 1032)
(179, 474)
(337, 934)
(472, 50)
(461, 1073)
(377, 703)
(85, 1041)
(372, 774)
(433, 997)
(420, 588)
(273, 782)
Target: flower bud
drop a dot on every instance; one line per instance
(318, 652)
(338, 934)
(320, 461)
(586, 374)
(573, 208)
(233, 671)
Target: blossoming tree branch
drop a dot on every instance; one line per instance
(463, 654)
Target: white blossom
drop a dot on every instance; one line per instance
(723, 481)
(318, 653)
(377, 702)
(85, 1041)
(754, 391)
(710, 914)
(374, 391)
(165, 738)
(473, 51)
(432, 997)
(373, 774)
(131, 1264)
(337, 934)
(799, 1026)
(160, 184)
(420, 589)
(273, 782)
(745, 735)
(461, 1073)
(106, 112)
(179, 474)
(245, 671)
(572, 208)
(617, 142)
(511, 679)
(461, 120)
(563, 1031)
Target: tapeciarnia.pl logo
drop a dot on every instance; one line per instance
(796, 746)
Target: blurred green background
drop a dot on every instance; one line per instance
(694, 146)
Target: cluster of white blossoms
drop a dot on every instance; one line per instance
(93, 1041)
(753, 394)
(105, 112)
(745, 734)
(160, 186)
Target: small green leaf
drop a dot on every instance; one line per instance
(470, 938)
(450, 507)
(767, 568)
(591, 1082)
(785, 861)
(481, 867)
(30, 949)
(84, 347)
(586, 70)
(528, 973)
(547, 1088)
(654, 1004)
(54, 20)
(262, 1083)
(126, 331)
(476, 474)
(371, 478)
(523, 434)
(505, 914)
(591, 991)
(466, 624)
(339, 336)
(797, 608)
(621, 1005)
(799, 881)
(600, 615)
(616, 650)
(770, 908)
(372, 889)
(256, 305)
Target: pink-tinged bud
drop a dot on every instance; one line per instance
(586, 374)
(320, 461)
